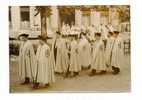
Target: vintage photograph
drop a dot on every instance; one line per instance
(84, 48)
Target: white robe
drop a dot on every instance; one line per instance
(108, 50)
(44, 73)
(116, 53)
(98, 58)
(84, 53)
(52, 52)
(62, 56)
(80, 54)
(74, 63)
(26, 61)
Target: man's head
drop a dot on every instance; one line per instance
(98, 35)
(115, 33)
(23, 37)
(110, 34)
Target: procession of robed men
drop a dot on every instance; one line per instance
(72, 50)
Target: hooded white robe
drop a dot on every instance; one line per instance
(45, 72)
(26, 61)
(74, 63)
(116, 55)
(98, 58)
(84, 52)
(108, 50)
(62, 56)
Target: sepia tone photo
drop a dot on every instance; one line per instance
(83, 48)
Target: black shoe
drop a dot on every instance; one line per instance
(35, 85)
(76, 73)
(93, 72)
(115, 70)
(27, 81)
(47, 85)
(102, 72)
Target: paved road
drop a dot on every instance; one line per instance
(81, 83)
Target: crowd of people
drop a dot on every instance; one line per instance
(68, 55)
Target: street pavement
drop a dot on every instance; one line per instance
(81, 83)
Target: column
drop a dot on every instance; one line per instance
(15, 19)
(48, 26)
(96, 18)
(54, 18)
(32, 8)
(92, 16)
(78, 17)
(114, 18)
(37, 21)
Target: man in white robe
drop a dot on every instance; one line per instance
(74, 68)
(108, 48)
(98, 58)
(62, 56)
(116, 53)
(45, 72)
(84, 52)
(26, 60)
(58, 55)
(54, 49)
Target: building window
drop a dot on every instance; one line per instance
(25, 17)
(25, 13)
(67, 15)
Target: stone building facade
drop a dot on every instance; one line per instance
(24, 19)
